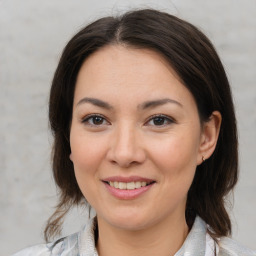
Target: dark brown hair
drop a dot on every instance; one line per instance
(190, 53)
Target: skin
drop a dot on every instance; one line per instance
(127, 139)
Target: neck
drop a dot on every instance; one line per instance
(162, 239)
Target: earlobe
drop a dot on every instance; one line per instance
(209, 138)
(70, 157)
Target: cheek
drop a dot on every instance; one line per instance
(175, 160)
(175, 154)
(86, 156)
(84, 147)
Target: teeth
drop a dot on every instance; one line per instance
(122, 185)
(143, 183)
(137, 184)
(128, 185)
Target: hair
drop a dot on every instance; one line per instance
(192, 56)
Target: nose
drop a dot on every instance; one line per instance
(126, 147)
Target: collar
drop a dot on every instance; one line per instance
(194, 244)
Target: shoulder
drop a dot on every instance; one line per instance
(36, 250)
(229, 247)
(80, 243)
(62, 246)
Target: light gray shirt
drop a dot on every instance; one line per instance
(197, 243)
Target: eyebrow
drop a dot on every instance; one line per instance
(144, 105)
(156, 103)
(95, 102)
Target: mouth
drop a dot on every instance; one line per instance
(129, 185)
(128, 188)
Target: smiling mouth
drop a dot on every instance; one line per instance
(128, 185)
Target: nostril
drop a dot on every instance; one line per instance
(125, 151)
(124, 163)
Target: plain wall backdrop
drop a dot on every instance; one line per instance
(32, 36)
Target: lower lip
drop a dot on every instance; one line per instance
(127, 194)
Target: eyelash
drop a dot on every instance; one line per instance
(86, 120)
(165, 118)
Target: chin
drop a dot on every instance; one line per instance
(129, 225)
(132, 221)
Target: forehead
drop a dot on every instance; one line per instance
(125, 72)
(119, 59)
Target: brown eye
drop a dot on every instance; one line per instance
(95, 120)
(160, 120)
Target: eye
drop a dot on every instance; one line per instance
(95, 120)
(160, 120)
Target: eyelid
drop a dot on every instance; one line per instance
(171, 120)
(87, 117)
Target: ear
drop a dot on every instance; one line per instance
(70, 157)
(209, 137)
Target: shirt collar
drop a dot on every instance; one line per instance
(194, 244)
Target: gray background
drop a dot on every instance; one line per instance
(32, 36)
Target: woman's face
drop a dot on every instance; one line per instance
(135, 137)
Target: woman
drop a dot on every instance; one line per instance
(144, 130)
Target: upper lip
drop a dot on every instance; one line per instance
(127, 179)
